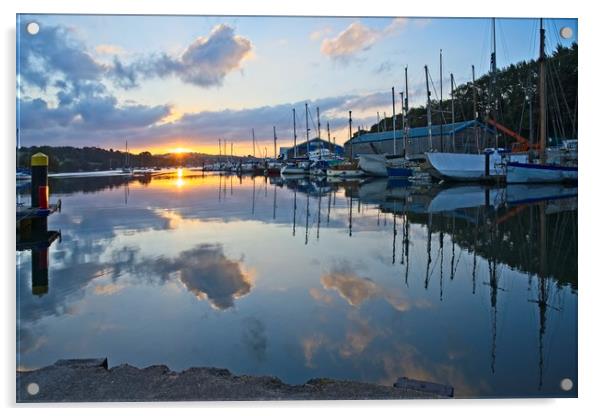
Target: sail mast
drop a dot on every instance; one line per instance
(306, 130)
(406, 115)
(494, 81)
(295, 133)
(253, 134)
(394, 118)
(350, 137)
(275, 155)
(474, 111)
(403, 122)
(319, 135)
(542, 93)
(428, 108)
(441, 100)
(453, 116)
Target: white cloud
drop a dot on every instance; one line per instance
(356, 37)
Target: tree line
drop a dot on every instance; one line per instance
(512, 98)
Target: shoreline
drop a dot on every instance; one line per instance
(93, 381)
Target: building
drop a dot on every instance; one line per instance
(314, 144)
(466, 136)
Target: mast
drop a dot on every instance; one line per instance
(428, 107)
(494, 81)
(407, 120)
(253, 134)
(219, 144)
(350, 137)
(328, 130)
(275, 139)
(307, 130)
(394, 119)
(319, 136)
(377, 122)
(403, 123)
(474, 110)
(295, 132)
(542, 93)
(441, 100)
(453, 116)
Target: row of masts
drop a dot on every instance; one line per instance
(404, 97)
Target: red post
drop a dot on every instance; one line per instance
(43, 197)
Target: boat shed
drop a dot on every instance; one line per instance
(466, 136)
(314, 144)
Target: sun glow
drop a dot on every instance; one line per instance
(180, 150)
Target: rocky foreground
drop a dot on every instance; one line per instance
(93, 381)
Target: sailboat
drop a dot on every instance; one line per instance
(393, 165)
(546, 169)
(470, 166)
(127, 169)
(349, 169)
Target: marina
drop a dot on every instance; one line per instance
(395, 218)
(396, 279)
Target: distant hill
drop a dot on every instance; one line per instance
(75, 159)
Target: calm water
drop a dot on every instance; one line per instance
(297, 279)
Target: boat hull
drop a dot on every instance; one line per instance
(344, 173)
(468, 167)
(374, 165)
(293, 170)
(517, 172)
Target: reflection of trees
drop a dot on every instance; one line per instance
(517, 241)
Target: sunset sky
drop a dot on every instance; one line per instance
(183, 82)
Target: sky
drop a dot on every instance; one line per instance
(181, 83)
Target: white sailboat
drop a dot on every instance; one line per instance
(469, 166)
(546, 169)
(474, 166)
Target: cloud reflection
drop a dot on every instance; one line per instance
(207, 273)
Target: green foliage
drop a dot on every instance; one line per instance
(514, 86)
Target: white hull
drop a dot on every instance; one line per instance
(373, 164)
(468, 167)
(535, 173)
(344, 173)
(376, 165)
(293, 170)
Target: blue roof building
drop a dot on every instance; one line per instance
(465, 136)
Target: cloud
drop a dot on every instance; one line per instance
(320, 33)
(106, 49)
(356, 37)
(356, 290)
(207, 273)
(205, 62)
(397, 24)
(85, 118)
(55, 52)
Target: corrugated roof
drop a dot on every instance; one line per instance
(416, 132)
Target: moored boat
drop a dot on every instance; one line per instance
(471, 167)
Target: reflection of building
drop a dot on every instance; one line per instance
(314, 144)
(468, 136)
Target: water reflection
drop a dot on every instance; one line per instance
(368, 280)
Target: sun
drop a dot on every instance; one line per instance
(180, 150)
